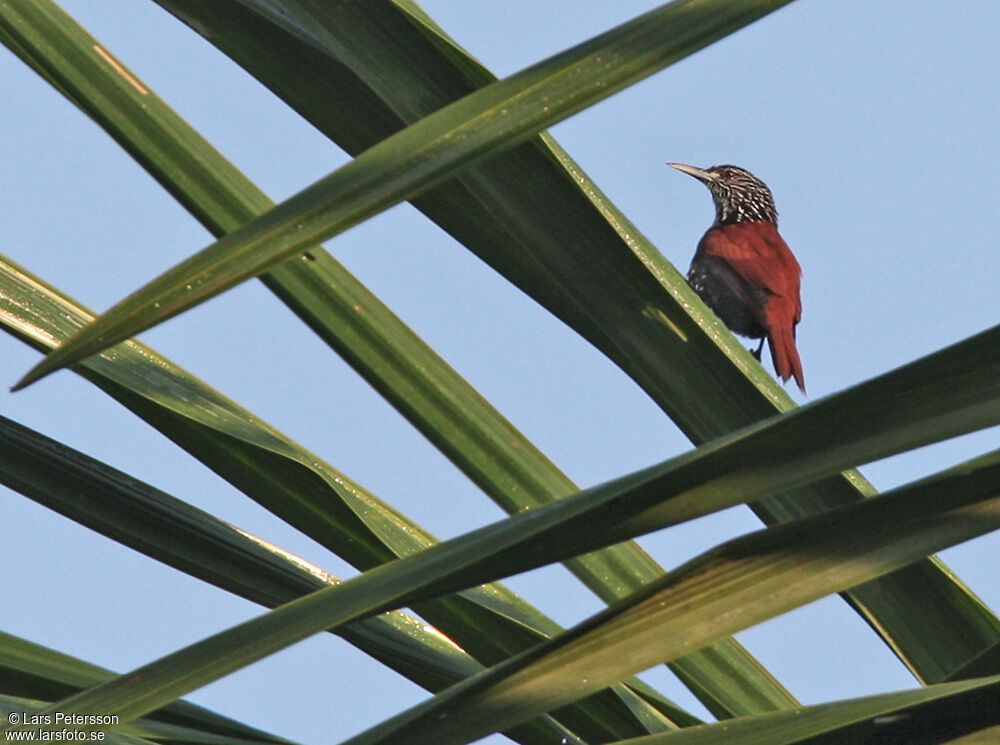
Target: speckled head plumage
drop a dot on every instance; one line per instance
(739, 196)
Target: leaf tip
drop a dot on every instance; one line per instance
(39, 371)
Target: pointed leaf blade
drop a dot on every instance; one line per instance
(485, 122)
(941, 395)
(475, 436)
(740, 583)
(534, 215)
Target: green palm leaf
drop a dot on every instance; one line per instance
(404, 91)
(485, 122)
(30, 671)
(182, 536)
(140, 731)
(950, 392)
(533, 215)
(416, 380)
(733, 586)
(924, 715)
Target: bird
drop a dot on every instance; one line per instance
(744, 271)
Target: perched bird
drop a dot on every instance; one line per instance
(744, 271)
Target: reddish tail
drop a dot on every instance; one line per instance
(781, 340)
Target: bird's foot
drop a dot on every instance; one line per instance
(756, 352)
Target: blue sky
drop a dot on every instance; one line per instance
(874, 124)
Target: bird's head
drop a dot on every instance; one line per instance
(739, 195)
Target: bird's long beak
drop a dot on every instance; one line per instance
(698, 173)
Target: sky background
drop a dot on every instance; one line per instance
(874, 124)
